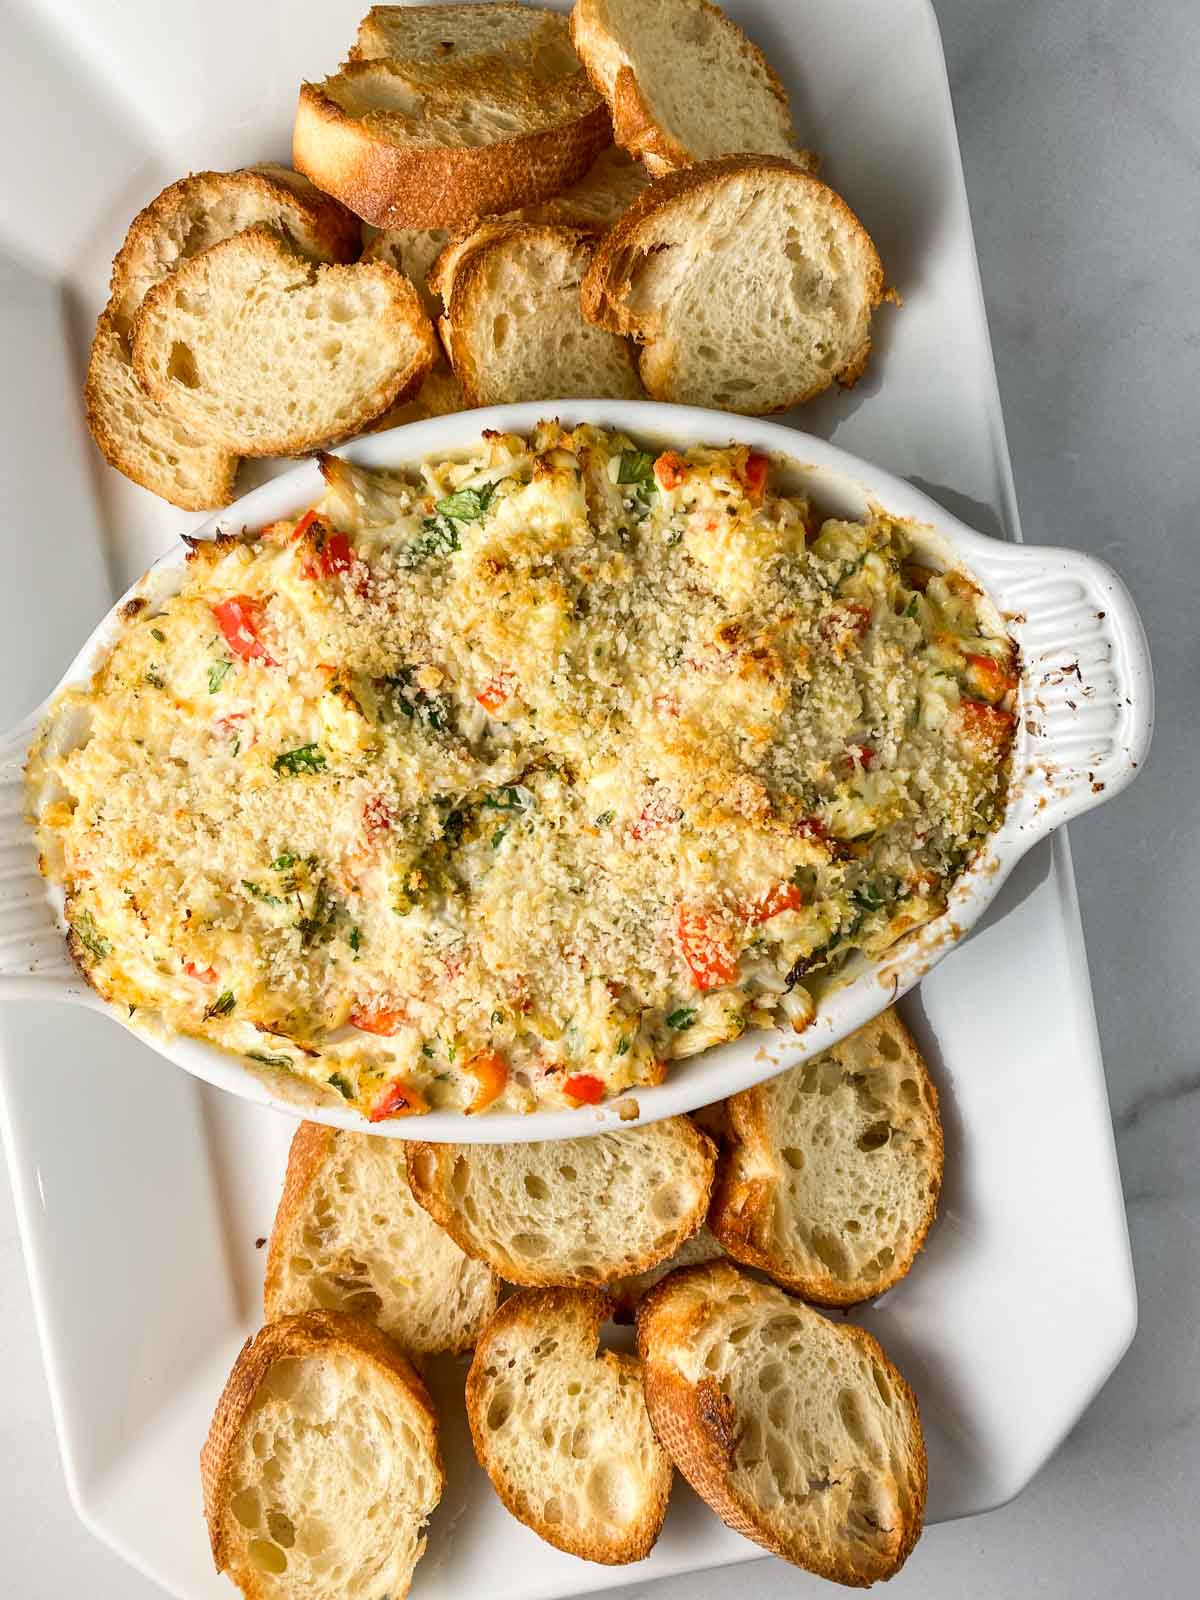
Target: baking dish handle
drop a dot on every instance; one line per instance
(1087, 694)
(34, 961)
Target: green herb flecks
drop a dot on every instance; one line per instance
(635, 470)
(413, 702)
(259, 893)
(354, 940)
(269, 1061)
(635, 466)
(306, 758)
(682, 1019)
(216, 674)
(342, 1085)
(89, 935)
(438, 537)
(157, 633)
(506, 799)
(868, 897)
(498, 836)
(155, 678)
(605, 817)
(318, 924)
(468, 505)
(452, 825)
(623, 1046)
(222, 1005)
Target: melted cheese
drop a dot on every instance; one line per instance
(525, 756)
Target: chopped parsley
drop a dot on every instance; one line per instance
(505, 799)
(636, 466)
(468, 505)
(605, 817)
(439, 537)
(259, 893)
(623, 1046)
(413, 702)
(222, 1005)
(497, 1018)
(306, 758)
(216, 674)
(681, 1019)
(910, 609)
(89, 935)
(318, 925)
(155, 678)
(428, 1048)
(868, 897)
(354, 940)
(157, 633)
(283, 862)
(269, 1061)
(342, 1085)
(635, 469)
(498, 836)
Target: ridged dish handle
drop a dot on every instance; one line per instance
(1087, 694)
(34, 961)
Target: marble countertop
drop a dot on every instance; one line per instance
(1080, 130)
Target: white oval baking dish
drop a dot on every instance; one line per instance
(1085, 719)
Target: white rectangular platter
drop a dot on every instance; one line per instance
(141, 1193)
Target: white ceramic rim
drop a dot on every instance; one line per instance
(1084, 728)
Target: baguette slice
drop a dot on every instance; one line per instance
(573, 1212)
(144, 440)
(447, 113)
(412, 251)
(257, 347)
(749, 283)
(682, 81)
(438, 396)
(430, 42)
(627, 1293)
(141, 438)
(513, 328)
(560, 1427)
(201, 210)
(797, 1431)
(610, 186)
(321, 1467)
(348, 1236)
(830, 1181)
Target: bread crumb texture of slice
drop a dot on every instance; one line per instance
(321, 1467)
(797, 1431)
(412, 251)
(349, 1236)
(749, 284)
(513, 327)
(682, 81)
(259, 348)
(571, 1212)
(139, 436)
(447, 113)
(560, 1427)
(830, 1180)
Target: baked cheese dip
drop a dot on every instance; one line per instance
(510, 780)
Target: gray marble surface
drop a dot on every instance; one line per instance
(1080, 129)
